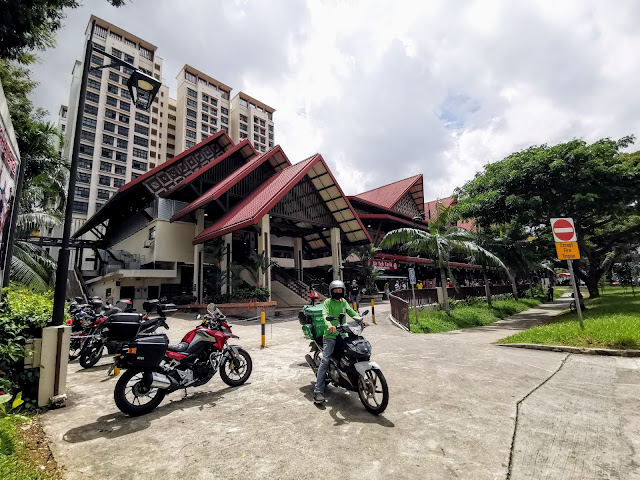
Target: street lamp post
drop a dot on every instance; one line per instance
(143, 88)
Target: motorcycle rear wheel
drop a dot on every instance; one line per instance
(75, 348)
(130, 393)
(90, 355)
(239, 371)
(370, 388)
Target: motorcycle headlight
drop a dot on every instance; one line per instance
(356, 330)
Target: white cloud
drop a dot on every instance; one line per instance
(388, 89)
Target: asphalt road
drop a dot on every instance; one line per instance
(452, 414)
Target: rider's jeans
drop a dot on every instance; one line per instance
(327, 351)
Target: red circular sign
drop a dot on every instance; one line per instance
(563, 230)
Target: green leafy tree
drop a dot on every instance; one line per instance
(31, 25)
(595, 184)
(366, 253)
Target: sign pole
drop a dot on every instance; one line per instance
(576, 292)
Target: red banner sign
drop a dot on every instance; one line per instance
(386, 264)
(6, 153)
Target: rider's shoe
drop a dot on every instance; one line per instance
(319, 398)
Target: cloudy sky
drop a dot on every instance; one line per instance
(388, 89)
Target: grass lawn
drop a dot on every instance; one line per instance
(15, 460)
(610, 321)
(474, 315)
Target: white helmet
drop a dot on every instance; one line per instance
(335, 285)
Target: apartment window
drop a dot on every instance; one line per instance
(191, 133)
(190, 77)
(192, 103)
(139, 166)
(203, 136)
(205, 108)
(243, 127)
(256, 129)
(243, 135)
(213, 120)
(243, 103)
(118, 182)
(271, 128)
(205, 97)
(140, 153)
(257, 146)
(83, 177)
(114, 51)
(205, 127)
(93, 97)
(106, 153)
(214, 101)
(125, 93)
(262, 148)
(142, 118)
(114, 77)
(84, 163)
(112, 89)
(80, 207)
(262, 131)
(189, 143)
(104, 180)
(270, 144)
(141, 129)
(191, 123)
(123, 143)
(171, 136)
(121, 157)
(143, 142)
(108, 139)
(262, 140)
(97, 46)
(97, 60)
(135, 175)
(88, 136)
(244, 118)
(89, 122)
(108, 113)
(105, 167)
(96, 74)
(148, 54)
(109, 127)
(224, 111)
(103, 194)
(170, 146)
(192, 93)
(86, 149)
(91, 83)
(124, 131)
(191, 113)
(224, 120)
(124, 118)
(124, 80)
(226, 129)
(271, 136)
(125, 106)
(82, 192)
(127, 70)
(262, 123)
(213, 111)
(205, 117)
(128, 58)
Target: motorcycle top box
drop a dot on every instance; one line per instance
(122, 326)
(147, 351)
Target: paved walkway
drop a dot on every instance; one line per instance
(452, 414)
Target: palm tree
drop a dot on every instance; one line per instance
(365, 254)
(439, 243)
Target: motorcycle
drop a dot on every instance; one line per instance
(351, 366)
(96, 338)
(154, 368)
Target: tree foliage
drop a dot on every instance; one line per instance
(595, 184)
(31, 25)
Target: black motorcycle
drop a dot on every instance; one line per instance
(350, 366)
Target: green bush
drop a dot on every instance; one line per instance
(256, 294)
(184, 299)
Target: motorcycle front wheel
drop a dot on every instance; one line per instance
(132, 397)
(75, 347)
(373, 391)
(91, 354)
(234, 371)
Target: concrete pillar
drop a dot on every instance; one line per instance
(336, 253)
(226, 260)
(54, 358)
(264, 248)
(297, 257)
(197, 257)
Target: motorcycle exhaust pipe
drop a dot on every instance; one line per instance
(311, 363)
(160, 380)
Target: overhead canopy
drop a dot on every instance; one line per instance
(302, 182)
(276, 157)
(141, 191)
(393, 195)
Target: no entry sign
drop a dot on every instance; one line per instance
(563, 230)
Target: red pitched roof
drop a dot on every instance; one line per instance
(388, 195)
(431, 209)
(229, 182)
(221, 137)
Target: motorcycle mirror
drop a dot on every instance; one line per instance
(366, 312)
(341, 318)
(198, 317)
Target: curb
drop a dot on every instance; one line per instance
(582, 350)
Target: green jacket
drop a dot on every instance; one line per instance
(333, 308)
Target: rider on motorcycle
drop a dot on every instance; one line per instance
(331, 307)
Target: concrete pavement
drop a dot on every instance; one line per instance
(451, 414)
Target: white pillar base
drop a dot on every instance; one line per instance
(54, 359)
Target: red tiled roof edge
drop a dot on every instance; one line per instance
(389, 188)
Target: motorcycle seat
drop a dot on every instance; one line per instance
(178, 347)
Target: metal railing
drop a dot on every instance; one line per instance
(400, 309)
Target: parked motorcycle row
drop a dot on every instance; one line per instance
(154, 368)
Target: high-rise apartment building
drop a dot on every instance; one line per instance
(252, 119)
(120, 142)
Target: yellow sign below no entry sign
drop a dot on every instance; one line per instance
(567, 250)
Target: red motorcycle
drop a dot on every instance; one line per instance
(155, 368)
